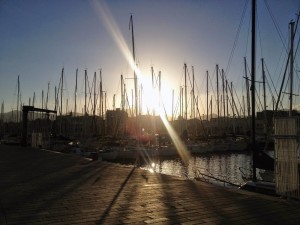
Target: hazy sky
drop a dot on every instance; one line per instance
(39, 37)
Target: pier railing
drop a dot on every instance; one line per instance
(205, 176)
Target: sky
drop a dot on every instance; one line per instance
(38, 38)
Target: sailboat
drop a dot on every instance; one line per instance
(260, 159)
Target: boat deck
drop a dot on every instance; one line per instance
(43, 187)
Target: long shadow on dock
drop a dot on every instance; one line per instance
(43, 185)
(107, 210)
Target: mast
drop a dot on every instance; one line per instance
(265, 97)
(85, 94)
(153, 87)
(253, 66)
(233, 104)
(75, 109)
(207, 95)
(244, 111)
(217, 72)
(18, 99)
(140, 99)
(134, 71)
(42, 99)
(55, 94)
(61, 93)
(122, 93)
(47, 95)
(211, 107)
(181, 105)
(227, 98)
(223, 87)
(94, 109)
(185, 93)
(2, 112)
(247, 87)
(193, 96)
(101, 95)
(159, 88)
(105, 102)
(292, 23)
(132, 100)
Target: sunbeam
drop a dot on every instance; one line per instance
(104, 14)
(181, 148)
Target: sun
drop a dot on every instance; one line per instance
(155, 102)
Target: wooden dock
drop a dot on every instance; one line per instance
(43, 187)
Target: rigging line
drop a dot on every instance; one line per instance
(259, 101)
(276, 25)
(236, 37)
(57, 93)
(287, 63)
(298, 79)
(231, 93)
(90, 93)
(129, 107)
(248, 37)
(259, 37)
(66, 86)
(237, 97)
(235, 93)
(268, 72)
(176, 108)
(201, 122)
(212, 86)
(285, 91)
(270, 90)
(296, 50)
(198, 91)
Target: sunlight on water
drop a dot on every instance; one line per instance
(225, 166)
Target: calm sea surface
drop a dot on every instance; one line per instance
(230, 167)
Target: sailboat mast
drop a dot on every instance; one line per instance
(18, 100)
(227, 98)
(223, 87)
(61, 88)
(85, 94)
(94, 110)
(140, 99)
(193, 95)
(217, 74)
(207, 95)
(2, 112)
(101, 95)
(152, 76)
(253, 66)
(55, 96)
(134, 71)
(247, 87)
(265, 97)
(181, 105)
(42, 99)
(159, 88)
(122, 93)
(47, 95)
(291, 67)
(185, 92)
(75, 109)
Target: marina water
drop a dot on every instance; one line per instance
(226, 166)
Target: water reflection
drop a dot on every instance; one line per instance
(224, 166)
